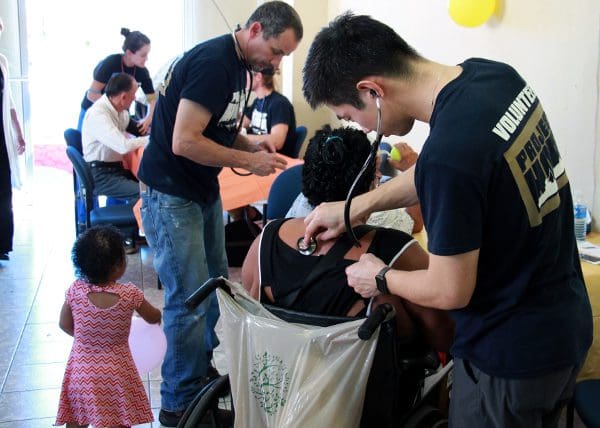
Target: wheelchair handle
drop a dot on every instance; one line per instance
(202, 293)
(380, 314)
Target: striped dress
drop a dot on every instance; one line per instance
(102, 386)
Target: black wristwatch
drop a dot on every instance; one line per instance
(381, 282)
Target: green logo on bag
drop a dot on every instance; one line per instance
(269, 382)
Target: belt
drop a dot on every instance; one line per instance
(100, 164)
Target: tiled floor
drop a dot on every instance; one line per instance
(33, 350)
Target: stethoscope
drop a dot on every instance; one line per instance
(370, 160)
(309, 248)
(246, 95)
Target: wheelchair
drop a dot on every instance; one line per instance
(394, 392)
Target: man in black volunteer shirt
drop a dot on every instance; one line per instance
(194, 134)
(497, 208)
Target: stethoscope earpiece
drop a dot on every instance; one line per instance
(370, 159)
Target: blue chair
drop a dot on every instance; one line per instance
(120, 216)
(300, 137)
(73, 139)
(283, 192)
(586, 400)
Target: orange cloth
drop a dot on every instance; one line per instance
(236, 191)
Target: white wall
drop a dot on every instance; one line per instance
(204, 21)
(554, 44)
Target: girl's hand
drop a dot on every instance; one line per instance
(149, 313)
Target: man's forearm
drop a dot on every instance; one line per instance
(205, 151)
(245, 143)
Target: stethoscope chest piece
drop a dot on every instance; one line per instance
(304, 249)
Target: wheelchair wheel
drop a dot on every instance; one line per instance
(427, 416)
(212, 407)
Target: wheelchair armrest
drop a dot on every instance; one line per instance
(202, 293)
(380, 314)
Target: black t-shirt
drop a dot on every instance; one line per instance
(212, 75)
(114, 64)
(274, 109)
(490, 177)
(285, 270)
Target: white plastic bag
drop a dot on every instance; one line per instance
(292, 375)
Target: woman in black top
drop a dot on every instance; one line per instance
(133, 62)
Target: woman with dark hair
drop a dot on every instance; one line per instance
(133, 62)
(271, 116)
(276, 271)
(332, 161)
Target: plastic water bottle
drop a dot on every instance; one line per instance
(580, 219)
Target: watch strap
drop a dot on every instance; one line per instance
(380, 280)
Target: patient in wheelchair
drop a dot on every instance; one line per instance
(314, 281)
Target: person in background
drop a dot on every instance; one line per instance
(101, 385)
(133, 62)
(194, 134)
(497, 207)
(271, 116)
(12, 144)
(105, 141)
(318, 176)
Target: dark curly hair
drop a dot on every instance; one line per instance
(97, 252)
(332, 161)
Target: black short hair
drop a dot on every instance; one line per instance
(134, 40)
(97, 252)
(276, 17)
(118, 83)
(332, 161)
(350, 48)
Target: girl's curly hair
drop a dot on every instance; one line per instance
(97, 252)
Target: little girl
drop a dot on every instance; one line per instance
(101, 385)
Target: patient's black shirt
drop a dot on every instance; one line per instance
(285, 270)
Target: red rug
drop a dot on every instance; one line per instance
(52, 155)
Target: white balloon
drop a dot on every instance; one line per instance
(148, 345)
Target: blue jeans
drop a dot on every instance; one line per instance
(188, 240)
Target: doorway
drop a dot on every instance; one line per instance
(66, 39)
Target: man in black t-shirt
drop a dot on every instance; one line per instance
(497, 208)
(194, 134)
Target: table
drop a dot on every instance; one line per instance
(236, 191)
(591, 274)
